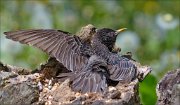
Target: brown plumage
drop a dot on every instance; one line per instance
(92, 64)
(87, 33)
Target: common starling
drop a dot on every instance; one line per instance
(104, 66)
(91, 63)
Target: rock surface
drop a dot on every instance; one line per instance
(17, 89)
(168, 89)
(41, 87)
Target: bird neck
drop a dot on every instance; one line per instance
(99, 48)
(98, 38)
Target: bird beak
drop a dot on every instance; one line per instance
(120, 30)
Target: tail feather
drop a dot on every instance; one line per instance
(89, 81)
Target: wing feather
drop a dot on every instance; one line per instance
(88, 81)
(59, 44)
(91, 78)
(122, 69)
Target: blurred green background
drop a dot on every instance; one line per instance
(153, 34)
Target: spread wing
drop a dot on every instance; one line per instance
(59, 44)
(121, 69)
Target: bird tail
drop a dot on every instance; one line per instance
(63, 76)
(89, 81)
(92, 78)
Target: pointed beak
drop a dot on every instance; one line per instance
(120, 30)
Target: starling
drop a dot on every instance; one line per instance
(104, 66)
(91, 61)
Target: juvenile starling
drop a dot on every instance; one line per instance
(103, 66)
(91, 63)
(86, 33)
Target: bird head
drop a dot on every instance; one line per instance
(108, 36)
(87, 32)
